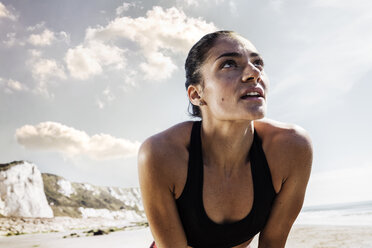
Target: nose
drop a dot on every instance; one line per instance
(251, 73)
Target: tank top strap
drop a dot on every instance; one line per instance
(195, 164)
(261, 175)
(200, 231)
(195, 152)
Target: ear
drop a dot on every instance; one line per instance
(194, 94)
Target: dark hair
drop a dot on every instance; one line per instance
(195, 60)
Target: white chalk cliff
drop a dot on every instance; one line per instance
(84, 200)
(22, 191)
(25, 192)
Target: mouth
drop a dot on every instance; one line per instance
(254, 93)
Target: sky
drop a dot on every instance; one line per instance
(82, 85)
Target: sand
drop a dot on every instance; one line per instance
(301, 236)
(122, 239)
(14, 225)
(308, 236)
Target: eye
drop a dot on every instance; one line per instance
(229, 64)
(258, 63)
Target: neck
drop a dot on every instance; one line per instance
(226, 144)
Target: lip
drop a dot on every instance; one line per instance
(258, 90)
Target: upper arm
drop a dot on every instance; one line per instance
(155, 177)
(294, 154)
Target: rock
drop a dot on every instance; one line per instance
(84, 200)
(22, 191)
(29, 199)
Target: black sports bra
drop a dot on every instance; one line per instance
(200, 230)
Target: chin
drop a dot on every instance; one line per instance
(250, 116)
(257, 114)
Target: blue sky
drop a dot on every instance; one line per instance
(82, 85)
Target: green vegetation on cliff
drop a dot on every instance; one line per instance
(86, 196)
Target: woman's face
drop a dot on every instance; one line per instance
(234, 81)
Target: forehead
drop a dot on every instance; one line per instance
(229, 44)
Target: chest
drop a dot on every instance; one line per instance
(227, 198)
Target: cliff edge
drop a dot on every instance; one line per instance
(22, 191)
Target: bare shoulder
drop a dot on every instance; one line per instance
(172, 140)
(288, 149)
(288, 152)
(164, 156)
(283, 135)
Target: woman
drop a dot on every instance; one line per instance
(220, 181)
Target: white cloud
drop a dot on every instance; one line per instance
(100, 104)
(36, 26)
(195, 3)
(63, 36)
(159, 33)
(191, 3)
(11, 40)
(108, 97)
(6, 13)
(16, 85)
(44, 69)
(158, 66)
(35, 53)
(44, 39)
(121, 9)
(10, 86)
(53, 136)
(82, 63)
(87, 60)
(3, 85)
(167, 29)
(129, 78)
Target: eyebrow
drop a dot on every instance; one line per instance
(235, 54)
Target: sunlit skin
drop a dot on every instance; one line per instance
(233, 68)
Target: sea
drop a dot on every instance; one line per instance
(345, 214)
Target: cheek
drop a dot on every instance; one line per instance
(219, 99)
(219, 92)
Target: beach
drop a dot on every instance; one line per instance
(330, 237)
(331, 226)
(301, 236)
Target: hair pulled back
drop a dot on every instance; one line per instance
(195, 60)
